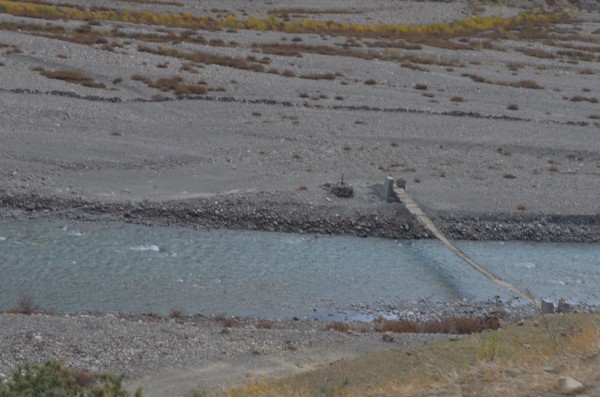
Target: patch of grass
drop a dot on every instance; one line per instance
(205, 58)
(448, 43)
(537, 53)
(186, 67)
(25, 305)
(579, 98)
(402, 44)
(288, 73)
(574, 55)
(174, 84)
(264, 324)
(425, 60)
(476, 78)
(176, 314)
(69, 76)
(14, 50)
(296, 50)
(159, 97)
(337, 327)
(514, 66)
(530, 84)
(319, 76)
(412, 66)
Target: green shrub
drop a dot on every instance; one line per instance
(53, 380)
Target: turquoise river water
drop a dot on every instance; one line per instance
(69, 266)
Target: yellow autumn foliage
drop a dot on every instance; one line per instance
(188, 20)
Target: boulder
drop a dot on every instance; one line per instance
(568, 385)
(547, 306)
(387, 337)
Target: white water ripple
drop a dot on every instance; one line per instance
(141, 248)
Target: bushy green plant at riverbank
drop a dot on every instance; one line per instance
(53, 380)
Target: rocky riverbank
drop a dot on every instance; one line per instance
(307, 214)
(171, 355)
(216, 351)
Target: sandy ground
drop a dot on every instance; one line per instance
(268, 142)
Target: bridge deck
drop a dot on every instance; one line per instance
(414, 209)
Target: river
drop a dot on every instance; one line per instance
(78, 266)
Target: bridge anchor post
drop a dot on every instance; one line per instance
(388, 190)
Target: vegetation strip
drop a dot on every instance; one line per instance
(188, 20)
(69, 76)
